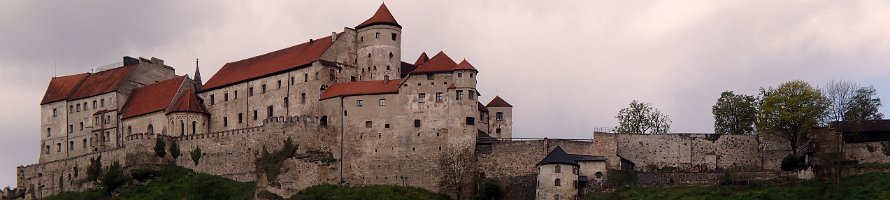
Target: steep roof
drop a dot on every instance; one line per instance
(187, 102)
(103, 82)
(558, 156)
(439, 63)
(61, 88)
(269, 63)
(464, 65)
(422, 59)
(152, 98)
(498, 102)
(481, 107)
(382, 16)
(406, 68)
(361, 88)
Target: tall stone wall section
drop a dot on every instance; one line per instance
(690, 152)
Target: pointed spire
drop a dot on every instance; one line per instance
(382, 16)
(422, 59)
(197, 80)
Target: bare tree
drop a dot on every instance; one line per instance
(839, 94)
(457, 165)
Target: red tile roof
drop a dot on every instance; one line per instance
(61, 88)
(382, 16)
(498, 102)
(422, 59)
(269, 63)
(464, 65)
(188, 102)
(103, 82)
(152, 98)
(481, 107)
(439, 63)
(361, 88)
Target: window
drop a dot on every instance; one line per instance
(302, 98)
(250, 91)
(236, 94)
(557, 183)
(368, 124)
(471, 75)
(254, 114)
(240, 118)
(150, 129)
(358, 103)
(226, 96)
(225, 121)
(194, 127)
(377, 35)
(499, 116)
(556, 197)
(574, 170)
(385, 125)
(212, 99)
(181, 128)
(70, 109)
(438, 97)
(332, 75)
(460, 74)
(472, 94)
(81, 126)
(421, 97)
(497, 130)
(286, 102)
(58, 147)
(471, 121)
(279, 84)
(129, 130)
(78, 107)
(316, 75)
(95, 105)
(394, 36)
(388, 67)
(96, 121)
(460, 94)
(102, 102)
(47, 149)
(429, 77)
(49, 132)
(598, 175)
(324, 121)
(108, 119)
(70, 128)
(70, 145)
(557, 169)
(263, 89)
(55, 112)
(416, 123)
(305, 77)
(269, 111)
(381, 102)
(85, 107)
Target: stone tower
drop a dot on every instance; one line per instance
(557, 176)
(379, 47)
(502, 120)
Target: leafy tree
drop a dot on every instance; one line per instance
(734, 113)
(196, 155)
(791, 111)
(94, 171)
(864, 105)
(114, 178)
(160, 149)
(642, 118)
(174, 150)
(839, 94)
(491, 190)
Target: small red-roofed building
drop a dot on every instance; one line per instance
(502, 122)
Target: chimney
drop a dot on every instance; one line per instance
(333, 36)
(386, 79)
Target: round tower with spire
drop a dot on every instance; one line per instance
(379, 46)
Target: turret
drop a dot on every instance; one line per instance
(379, 46)
(502, 121)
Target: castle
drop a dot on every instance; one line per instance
(359, 116)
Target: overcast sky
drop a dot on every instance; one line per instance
(567, 67)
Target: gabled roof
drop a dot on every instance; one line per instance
(439, 63)
(187, 102)
(361, 88)
(269, 63)
(498, 102)
(61, 88)
(422, 59)
(481, 107)
(103, 82)
(152, 98)
(382, 16)
(558, 156)
(464, 65)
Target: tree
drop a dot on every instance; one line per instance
(839, 94)
(160, 149)
(94, 171)
(196, 155)
(114, 177)
(174, 150)
(457, 167)
(864, 105)
(791, 112)
(642, 118)
(734, 113)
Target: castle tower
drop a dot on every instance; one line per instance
(557, 176)
(502, 121)
(379, 46)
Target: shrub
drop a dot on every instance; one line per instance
(268, 195)
(621, 178)
(114, 178)
(174, 150)
(160, 149)
(196, 155)
(791, 162)
(143, 174)
(94, 171)
(885, 147)
(270, 162)
(727, 178)
(491, 190)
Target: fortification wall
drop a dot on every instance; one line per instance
(868, 152)
(690, 152)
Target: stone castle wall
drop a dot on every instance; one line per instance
(690, 152)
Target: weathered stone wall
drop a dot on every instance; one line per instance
(690, 152)
(549, 177)
(666, 178)
(868, 152)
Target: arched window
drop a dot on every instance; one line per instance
(58, 147)
(129, 130)
(194, 127)
(557, 182)
(181, 128)
(557, 169)
(150, 129)
(47, 149)
(599, 175)
(49, 132)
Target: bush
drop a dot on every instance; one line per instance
(94, 171)
(270, 163)
(491, 190)
(114, 178)
(621, 178)
(174, 150)
(791, 163)
(196, 155)
(160, 149)
(143, 174)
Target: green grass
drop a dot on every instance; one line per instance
(174, 183)
(374, 192)
(867, 186)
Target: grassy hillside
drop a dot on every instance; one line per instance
(366, 192)
(867, 186)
